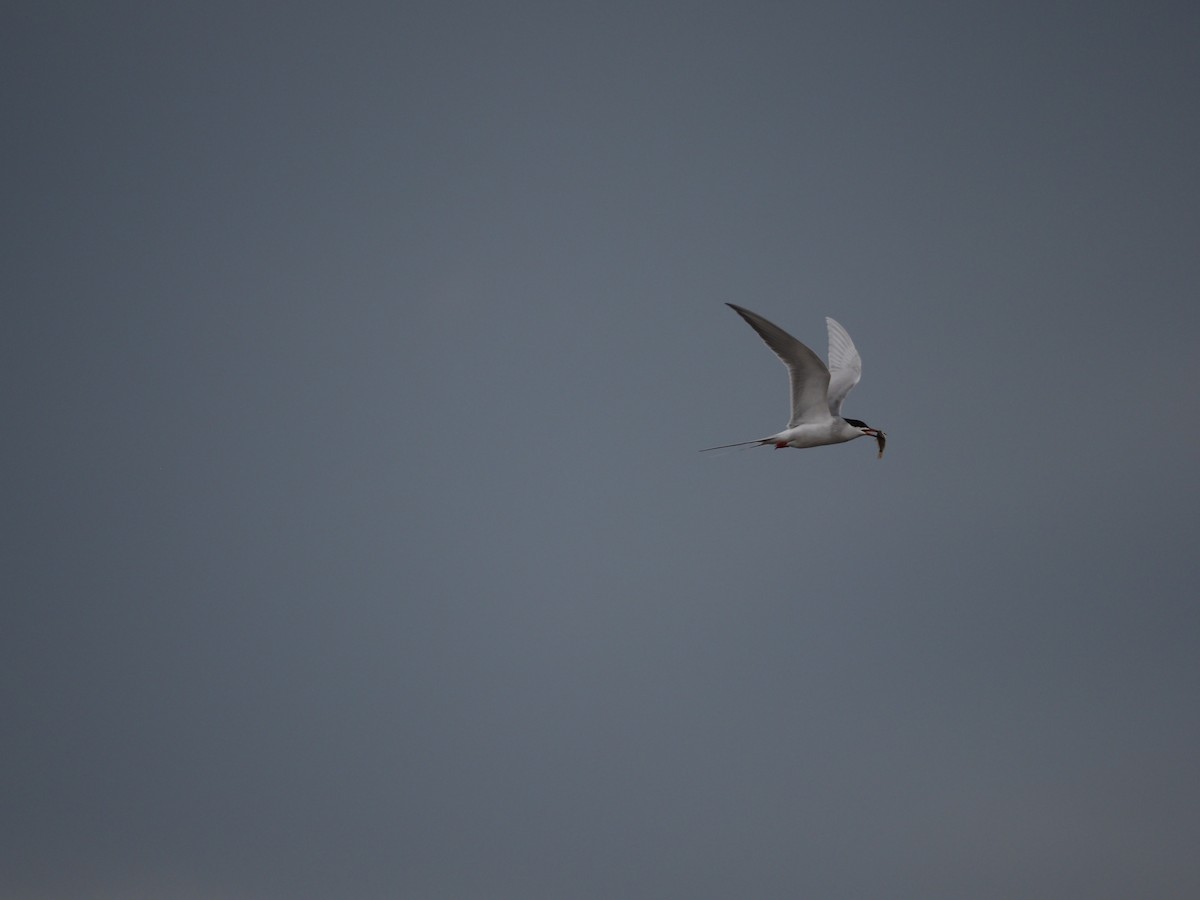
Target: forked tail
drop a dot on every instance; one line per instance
(757, 443)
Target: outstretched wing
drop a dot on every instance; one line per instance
(810, 378)
(845, 365)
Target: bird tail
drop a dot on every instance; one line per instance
(757, 443)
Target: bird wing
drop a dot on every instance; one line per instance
(845, 365)
(810, 378)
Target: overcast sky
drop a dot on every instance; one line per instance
(356, 357)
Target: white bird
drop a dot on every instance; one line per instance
(817, 391)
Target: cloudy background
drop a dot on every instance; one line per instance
(356, 357)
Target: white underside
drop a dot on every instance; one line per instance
(816, 434)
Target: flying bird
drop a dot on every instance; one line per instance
(817, 390)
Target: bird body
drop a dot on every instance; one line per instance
(817, 390)
(815, 434)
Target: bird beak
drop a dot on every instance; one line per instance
(880, 438)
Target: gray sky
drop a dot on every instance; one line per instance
(356, 541)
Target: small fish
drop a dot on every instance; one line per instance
(881, 438)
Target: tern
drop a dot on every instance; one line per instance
(817, 390)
